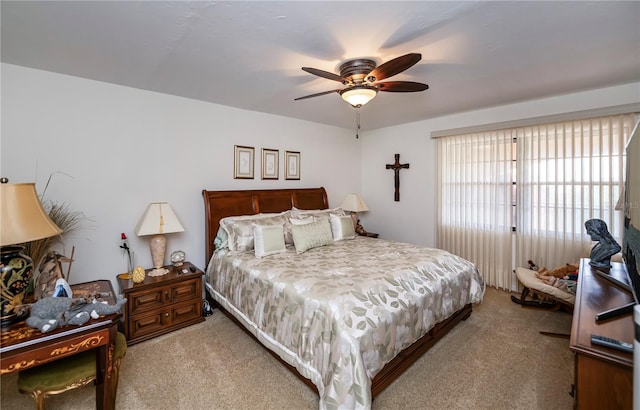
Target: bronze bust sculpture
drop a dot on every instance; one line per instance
(606, 247)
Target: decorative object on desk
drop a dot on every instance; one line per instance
(138, 274)
(354, 204)
(66, 219)
(128, 253)
(23, 219)
(243, 162)
(62, 289)
(177, 258)
(50, 313)
(606, 247)
(49, 271)
(158, 220)
(396, 167)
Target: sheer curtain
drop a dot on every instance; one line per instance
(475, 174)
(513, 195)
(568, 173)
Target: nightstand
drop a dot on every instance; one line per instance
(162, 304)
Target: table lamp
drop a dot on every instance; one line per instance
(22, 219)
(158, 220)
(354, 204)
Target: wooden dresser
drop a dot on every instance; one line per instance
(162, 304)
(603, 376)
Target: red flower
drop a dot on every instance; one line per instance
(127, 250)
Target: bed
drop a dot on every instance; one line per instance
(346, 316)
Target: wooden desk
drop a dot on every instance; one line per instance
(23, 347)
(603, 376)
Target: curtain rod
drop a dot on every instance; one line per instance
(527, 122)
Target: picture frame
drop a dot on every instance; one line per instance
(270, 163)
(292, 165)
(243, 162)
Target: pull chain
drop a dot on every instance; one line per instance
(357, 123)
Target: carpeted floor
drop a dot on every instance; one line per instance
(495, 360)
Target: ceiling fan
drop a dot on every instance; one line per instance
(361, 79)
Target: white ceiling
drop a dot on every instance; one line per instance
(249, 54)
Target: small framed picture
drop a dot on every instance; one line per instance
(270, 162)
(292, 164)
(243, 162)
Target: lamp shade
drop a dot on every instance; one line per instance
(353, 203)
(22, 217)
(159, 218)
(359, 95)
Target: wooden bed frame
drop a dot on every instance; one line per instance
(220, 204)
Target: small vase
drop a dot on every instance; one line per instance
(130, 267)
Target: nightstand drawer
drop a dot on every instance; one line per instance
(145, 324)
(186, 290)
(186, 311)
(159, 321)
(147, 300)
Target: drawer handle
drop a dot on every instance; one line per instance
(166, 296)
(166, 315)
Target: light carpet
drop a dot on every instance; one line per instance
(496, 359)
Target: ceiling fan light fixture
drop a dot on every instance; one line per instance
(359, 95)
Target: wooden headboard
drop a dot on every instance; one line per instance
(220, 204)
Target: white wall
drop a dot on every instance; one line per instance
(413, 218)
(124, 147)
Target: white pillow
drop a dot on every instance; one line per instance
(342, 227)
(301, 221)
(316, 213)
(239, 229)
(221, 239)
(311, 235)
(268, 240)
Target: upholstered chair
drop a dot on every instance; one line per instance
(70, 373)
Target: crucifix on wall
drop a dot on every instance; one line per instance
(396, 167)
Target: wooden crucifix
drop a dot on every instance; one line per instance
(396, 167)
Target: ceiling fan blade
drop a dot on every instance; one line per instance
(315, 95)
(323, 74)
(395, 66)
(401, 86)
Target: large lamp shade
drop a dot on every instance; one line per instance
(22, 219)
(354, 204)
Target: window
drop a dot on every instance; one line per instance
(521, 194)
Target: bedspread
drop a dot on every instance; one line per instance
(339, 313)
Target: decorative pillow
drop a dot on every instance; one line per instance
(221, 240)
(301, 221)
(239, 229)
(268, 240)
(342, 227)
(316, 213)
(311, 235)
